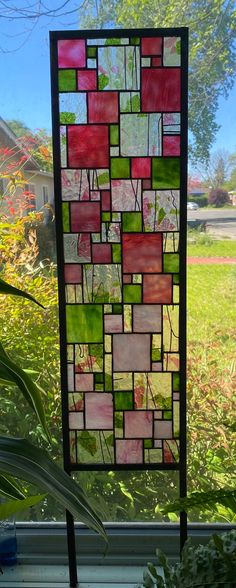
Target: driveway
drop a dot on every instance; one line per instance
(220, 222)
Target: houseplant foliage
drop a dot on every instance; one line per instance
(205, 566)
(21, 459)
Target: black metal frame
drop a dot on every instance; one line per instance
(181, 32)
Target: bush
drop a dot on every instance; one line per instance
(206, 566)
(200, 200)
(218, 197)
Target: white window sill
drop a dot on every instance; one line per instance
(33, 576)
(42, 553)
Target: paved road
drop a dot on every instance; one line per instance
(220, 222)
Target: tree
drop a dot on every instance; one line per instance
(218, 197)
(216, 173)
(212, 58)
(231, 183)
(38, 144)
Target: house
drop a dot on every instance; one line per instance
(232, 197)
(37, 181)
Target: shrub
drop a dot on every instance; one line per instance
(218, 197)
(200, 200)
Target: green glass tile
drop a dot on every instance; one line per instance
(120, 167)
(156, 354)
(176, 279)
(176, 382)
(135, 103)
(113, 41)
(108, 382)
(116, 252)
(132, 293)
(119, 420)
(67, 80)
(134, 40)
(66, 217)
(91, 51)
(114, 135)
(96, 350)
(84, 323)
(165, 172)
(99, 387)
(148, 443)
(123, 400)
(98, 378)
(117, 308)
(106, 216)
(103, 81)
(167, 415)
(103, 179)
(132, 222)
(171, 263)
(67, 118)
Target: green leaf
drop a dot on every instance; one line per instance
(10, 508)
(10, 488)
(103, 80)
(161, 215)
(20, 458)
(28, 387)
(205, 500)
(6, 288)
(88, 442)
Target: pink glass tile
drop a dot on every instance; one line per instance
(151, 46)
(147, 185)
(84, 247)
(84, 382)
(106, 200)
(141, 167)
(138, 424)
(157, 289)
(126, 195)
(103, 107)
(99, 411)
(156, 62)
(72, 273)
(113, 323)
(168, 456)
(71, 53)
(85, 217)
(142, 253)
(76, 420)
(70, 377)
(156, 366)
(127, 278)
(88, 146)
(147, 318)
(87, 79)
(171, 145)
(95, 195)
(129, 451)
(161, 90)
(101, 253)
(163, 429)
(131, 352)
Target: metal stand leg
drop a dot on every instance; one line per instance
(183, 529)
(71, 550)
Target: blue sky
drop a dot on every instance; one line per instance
(25, 79)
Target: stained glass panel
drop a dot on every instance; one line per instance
(120, 189)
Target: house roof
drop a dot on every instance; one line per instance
(8, 138)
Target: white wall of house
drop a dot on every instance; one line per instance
(43, 187)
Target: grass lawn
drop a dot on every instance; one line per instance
(205, 246)
(211, 322)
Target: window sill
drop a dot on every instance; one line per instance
(56, 576)
(42, 553)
